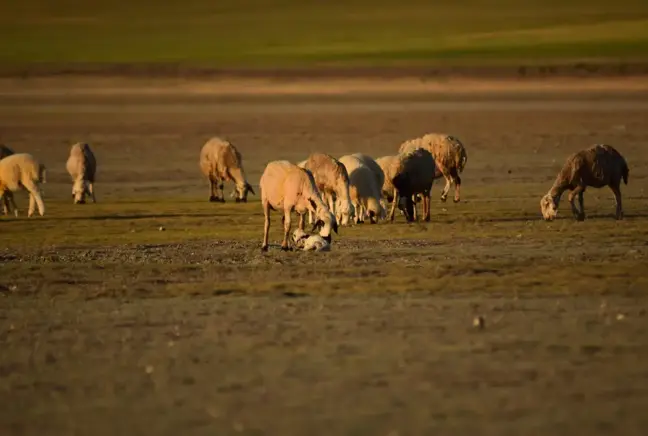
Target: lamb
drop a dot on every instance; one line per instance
(597, 166)
(306, 242)
(413, 175)
(82, 167)
(22, 170)
(332, 181)
(220, 161)
(287, 187)
(449, 156)
(364, 189)
(6, 206)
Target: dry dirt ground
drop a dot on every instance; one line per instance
(110, 326)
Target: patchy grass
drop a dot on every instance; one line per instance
(288, 32)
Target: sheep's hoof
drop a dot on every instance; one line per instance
(238, 200)
(457, 200)
(426, 219)
(264, 248)
(619, 217)
(444, 198)
(213, 199)
(580, 217)
(285, 248)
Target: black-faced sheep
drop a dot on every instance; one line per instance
(21, 170)
(220, 161)
(449, 157)
(413, 175)
(285, 186)
(597, 166)
(82, 167)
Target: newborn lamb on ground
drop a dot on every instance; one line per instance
(304, 241)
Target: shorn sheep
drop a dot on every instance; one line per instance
(22, 170)
(82, 167)
(449, 156)
(364, 190)
(285, 186)
(597, 166)
(332, 181)
(220, 161)
(413, 175)
(8, 198)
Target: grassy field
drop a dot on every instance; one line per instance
(110, 326)
(351, 32)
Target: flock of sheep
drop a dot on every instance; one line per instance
(331, 191)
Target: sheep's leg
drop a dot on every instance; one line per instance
(579, 215)
(426, 207)
(457, 182)
(410, 207)
(284, 243)
(414, 210)
(6, 208)
(360, 212)
(393, 208)
(266, 226)
(446, 189)
(212, 190)
(331, 203)
(10, 198)
(91, 190)
(617, 198)
(302, 221)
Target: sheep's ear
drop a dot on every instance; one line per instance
(249, 188)
(313, 204)
(318, 225)
(335, 227)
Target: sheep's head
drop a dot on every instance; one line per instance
(549, 207)
(241, 192)
(79, 191)
(325, 222)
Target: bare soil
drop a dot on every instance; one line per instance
(110, 326)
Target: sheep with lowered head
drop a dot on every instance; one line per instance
(388, 164)
(82, 167)
(413, 174)
(7, 200)
(597, 166)
(449, 157)
(363, 189)
(285, 186)
(304, 241)
(332, 181)
(220, 161)
(21, 170)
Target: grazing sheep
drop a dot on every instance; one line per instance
(220, 161)
(8, 198)
(413, 175)
(597, 166)
(82, 167)
(306, 242)
(388, 164)
(332, 181)
(449, 156)
(364, 190)
(287, 187)
(22, 170)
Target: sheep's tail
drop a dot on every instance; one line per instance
(625, 172)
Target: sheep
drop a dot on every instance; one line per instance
(22, 170)
(388, 166)
(306, 242)
(364, 189)
(332, 181)
(8, 198)
(82, 167)
(285, 186)
(449, 156)
(598, 166)
(374, 167)
(413, 173)
(220, 161)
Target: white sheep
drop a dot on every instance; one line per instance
(220, 161)
(332, 182)
(449, 157)
(413, 175)
(8, 198)
(597, 166)
(82, 167)
(304, 241)
(285, 186)
(22, 170)
(388, 164)
(364, 189)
